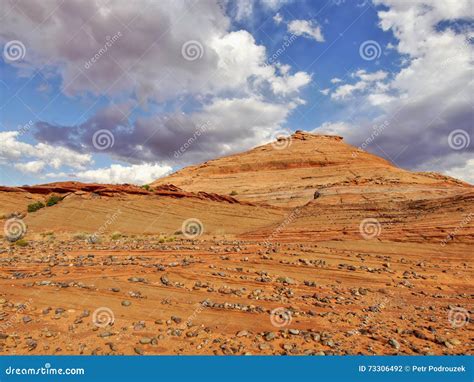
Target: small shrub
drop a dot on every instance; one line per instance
(49, 235)
(147, 187)
(35, 206)
(53, 199)
(179, 232)
(161, 240)
(21, 243)
(116, 236)
(79, 236)
(233, 193)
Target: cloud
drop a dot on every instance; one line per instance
(333, 128)
(278, 18)
(147, 50)
(33, 167)
(244, 9)
(347, 90)
(118, 174)
(465, 171)
(429, 97)
(307, 29)
(183, 59)
(289, 84)
(225, 125)
(368, 81)
(38, 156)
(369, 77)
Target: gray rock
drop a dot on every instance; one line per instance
(394, 343)
(27, 319)
(138, 350)
(270, 336)
(243, 333)
(176, 319)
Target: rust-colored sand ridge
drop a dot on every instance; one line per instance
(303, 246)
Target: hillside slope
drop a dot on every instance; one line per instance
(288, 173)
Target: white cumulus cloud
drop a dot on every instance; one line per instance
(306, 28)
(118, 174)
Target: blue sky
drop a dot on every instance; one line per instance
(341, 67)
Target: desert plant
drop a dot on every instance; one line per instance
(79, 236)
(33, 207)
(21, 243)
(147, 187)
(116, 236)
(233, 193)
(53, 199)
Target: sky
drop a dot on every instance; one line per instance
(129, 91)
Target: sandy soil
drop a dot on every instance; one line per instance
(217, 297)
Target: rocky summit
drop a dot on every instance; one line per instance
(304, 246)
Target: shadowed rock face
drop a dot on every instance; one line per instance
(304, 246)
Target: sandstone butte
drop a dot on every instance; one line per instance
(306, 245)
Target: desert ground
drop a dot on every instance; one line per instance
(305, 246)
